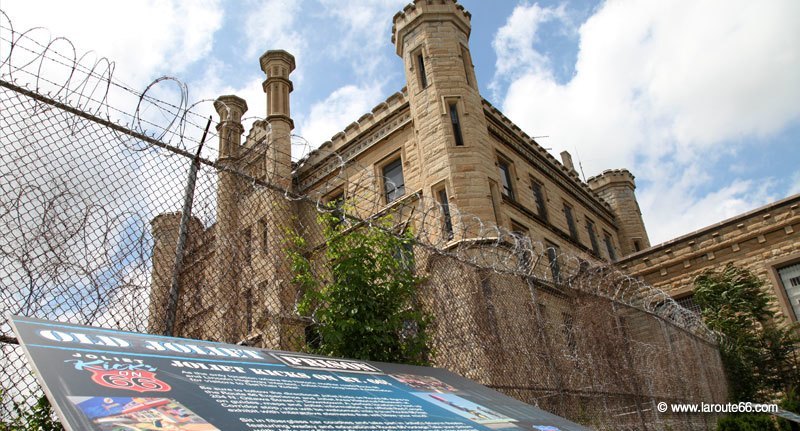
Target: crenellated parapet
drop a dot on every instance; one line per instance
(420, 11)
(622, 177)
(616, 187)
(345, 145)
(763, 241)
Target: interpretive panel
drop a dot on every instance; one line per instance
(101, 379)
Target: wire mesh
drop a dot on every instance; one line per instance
(91, 198)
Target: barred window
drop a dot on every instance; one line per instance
(525, 259)
(423, 77)
(456, 124)
(447, 222)
(592, 237)
(505, 178)
(538, 197)
(573, 231)
(790, 278)
(393, 182)
(552, 257)
(609, 246)
(688, 303)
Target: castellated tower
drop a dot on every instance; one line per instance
(225, 288)
(451, 144)
(616, 187)
(452, 141)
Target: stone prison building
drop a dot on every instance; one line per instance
(437, 139)
(438, 144)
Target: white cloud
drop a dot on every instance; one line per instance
(696, 212)
(212, 84)
(365, 31)
(663, 88)
(339, 109)
(794, 184)
(514, 43)
(272, 24)
(143, 36)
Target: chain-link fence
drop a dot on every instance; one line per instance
(93, 232)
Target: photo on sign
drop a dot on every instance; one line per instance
(465, 408)
(140, 414)
(423, 383)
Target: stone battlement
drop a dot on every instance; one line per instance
(533, 145)
(435, 9)
(610, 176)
(379, 113)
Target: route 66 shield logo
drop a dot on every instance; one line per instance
(139, 381)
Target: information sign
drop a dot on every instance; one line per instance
(106, 380)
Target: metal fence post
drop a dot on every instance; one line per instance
(183, 231)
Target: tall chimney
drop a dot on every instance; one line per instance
(566, 160)
(277, 65)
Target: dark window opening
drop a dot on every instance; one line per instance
(541, 309)
(569, 331)
(609, 246)
(336, 201)
(505, 177)
(264, 236)
(573, 231)
(447, 226)
(688, 303)
(592, 237)
(247, 249)
(336, 204)
(423, 78)
(538, 196)
(393, 183)
(405, 255)
(495, 199)
(524, 256)
(456, 124)
(790, 278)
(466, 59)
(249, 309)
(491, 317)
(552, 257)
(313, 339)
(637, 246)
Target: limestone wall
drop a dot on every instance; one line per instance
(760, 240)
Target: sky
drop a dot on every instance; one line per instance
(697, 98)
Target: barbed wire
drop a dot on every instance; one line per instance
(89, 210)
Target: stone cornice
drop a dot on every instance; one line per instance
(312, 174)
(785, 212)
(558, 173)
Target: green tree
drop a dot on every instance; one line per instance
(790, 403)
(746, 422)
(39, 417)
(365, 308)
(757, 346)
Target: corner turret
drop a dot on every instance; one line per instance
(616, 187)
(455, 154)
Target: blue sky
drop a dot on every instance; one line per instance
(697, 98)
